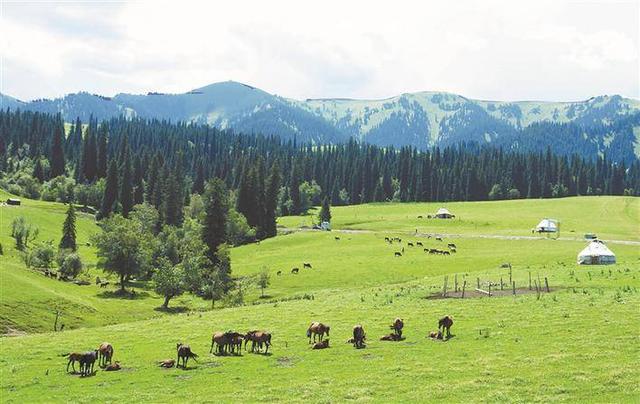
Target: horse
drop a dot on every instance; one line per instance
(397, 327)
(451, 245)
(409, 244)
(167, 363)
(184, 353)
(438, 238)
(113, 367)
(387, 239)
(445, 323)
(321, 345)
(222, 339)
(419, 243)
(306, 265)
(236, 343)
(257, 338)
(435, 335)
(279, 273)
(391, 337)
(105, 353)
(73, 358)
(337, 238)
(86, 362)
(397, 254)
(358, 336)
(446, 253)
(295, 270)
(318, 329)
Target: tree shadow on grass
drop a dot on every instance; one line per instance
(172, 310)
(119, 294)
(265, 297)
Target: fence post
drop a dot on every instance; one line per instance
(489, 288)
(546, 283)
(514, 287)
(456, 280)
(510, 280)
(501, 283)
(444, 287)
(478, 280)
(464, 286)
(529, 280)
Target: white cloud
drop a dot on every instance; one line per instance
(559, 50)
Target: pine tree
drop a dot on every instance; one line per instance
(325, 211)
(248, 197)
(68, 240)
(214, 230)
(89, 156)
(294, 190)
(198, 182)
(126, 185)
(38, 171)
(57, 151)
(138, 182)
(271, 200)
(110, 191)
(102, 154)
(171, 205)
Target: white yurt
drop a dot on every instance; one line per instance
(547, 226)
(444, 213)
(596, 253)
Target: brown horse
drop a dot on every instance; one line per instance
(113, 367)
(318, 329)
(435, 335)
(105, 353)
(184, 353)
(257, 338)
(391, 337)
(73, 358)
(321, 345)
(358, 336)
(236, 343)
(167, 363)
(222, 339)
(397, 326)
(445, 323)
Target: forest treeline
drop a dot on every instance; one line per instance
(116, 164)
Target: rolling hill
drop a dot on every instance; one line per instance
(600, 125)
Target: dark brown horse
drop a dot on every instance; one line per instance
(391, 337)
(321, 345)
(105, 353)
(445, 323)
(317, 329)
(358, 336)
(87, 361)
(73, 358)
(184, 353)
(397, 326)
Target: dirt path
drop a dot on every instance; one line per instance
(453, 235)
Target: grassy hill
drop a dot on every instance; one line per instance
(576, 343)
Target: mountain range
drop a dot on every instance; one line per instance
(603, 125)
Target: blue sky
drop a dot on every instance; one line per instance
(503, 50)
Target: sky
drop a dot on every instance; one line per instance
(558, 50)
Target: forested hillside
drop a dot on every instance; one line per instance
(115, 164)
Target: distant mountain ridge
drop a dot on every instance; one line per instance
(600, 125)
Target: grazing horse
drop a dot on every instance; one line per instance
(318, 329)
(409, 244)
(258, 338)
(446, 253)
(73, 358)
(438, 238)
(397, 254)
(419, 243)
(397, 327)
(306, 265)
(445, 323)
(236, 343)
(167, 363)
(184, 353)
(279, 273)
(86, 362)
(451, 245)
(105, 353)
(387, 239)
(358, 336)
(337, 238)
(223, 339)
(295, 270)
(321, 345)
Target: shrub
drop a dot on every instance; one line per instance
(59, 189)
(23, 232)
(41, 255)
(71, 265)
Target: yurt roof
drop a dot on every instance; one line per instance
(597, 248)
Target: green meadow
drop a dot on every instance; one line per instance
(580, 342)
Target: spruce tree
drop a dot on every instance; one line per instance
(126, 185)
(325, 211)
(216, 206)
(271, 200)
(110, 191)
(171, 206)
(102, 154)
(138, 182)
(198, 182)
(294, 190)
(68, 240)
(38, 171)
(57, 151)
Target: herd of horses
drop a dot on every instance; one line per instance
(231, 342)
(451, 247)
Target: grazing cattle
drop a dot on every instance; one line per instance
(295, 270)
(321, 345)
(438, 238)
(409, 244)
(397, 326)
(279, 273)
(105, 353)
(445, 323)
(258, 338)
(73, 358)
(306, 265)
(113, 367)
(184, 354)
(451, 245)
(167, 363)
(317, 329)
(87, 361)
(358, 336)
(391, 337)
(397, 254)
(419, 243)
